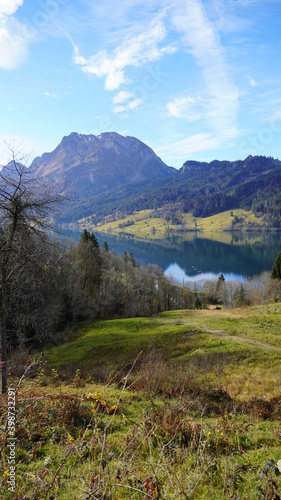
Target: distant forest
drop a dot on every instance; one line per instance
(201, 188)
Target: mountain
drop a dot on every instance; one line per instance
(109, 160)
(207, 189)
(111, 174)
(253, 183)
(210, 188)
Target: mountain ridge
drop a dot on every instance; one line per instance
(104, 161)
(111, 175)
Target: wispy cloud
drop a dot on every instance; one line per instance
(227, 16)
(252, 82)
(13, 42)
(49, 94)
(188, 108)
(193, 144)
(128, 107)
(122, 96)
(113, 24)
(203, 43)
(134, 51)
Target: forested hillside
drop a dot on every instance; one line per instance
(206, 189)
(114, 175)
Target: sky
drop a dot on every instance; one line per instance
(193, 79)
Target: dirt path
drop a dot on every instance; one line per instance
(243, 340)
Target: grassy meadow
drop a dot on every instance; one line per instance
(184, 405)
(145, 225)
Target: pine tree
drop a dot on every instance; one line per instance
(90, 262)
(276, 270)
(87, 236)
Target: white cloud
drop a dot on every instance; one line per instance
(202, 41)
(122, 96)
(114, 80)
(113, 24)
(13, 41)
(13, 47)
(130, 106)
(134, 51)
(49, 94)
(252, 82)
(8, 7)
(189, 108)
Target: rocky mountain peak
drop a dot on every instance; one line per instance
(103, 161)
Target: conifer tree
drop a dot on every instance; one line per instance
(90, 262)
(276, 270)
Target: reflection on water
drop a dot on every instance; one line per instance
(198, 257)
(176, 272)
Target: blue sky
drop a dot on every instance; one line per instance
(193, 79)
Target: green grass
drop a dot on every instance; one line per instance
(188, 408)
(145, 226)
(114, 343)
(243, 341)
(223, 220)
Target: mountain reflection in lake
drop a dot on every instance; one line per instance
(200, 257)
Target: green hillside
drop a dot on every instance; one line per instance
(158, 224)
(185, 405)
(241, 342)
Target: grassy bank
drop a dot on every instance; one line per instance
(186, 405)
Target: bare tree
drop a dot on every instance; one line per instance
(27, 205)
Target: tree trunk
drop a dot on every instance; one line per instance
(3, 331)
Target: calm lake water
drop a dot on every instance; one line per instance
(200, 257)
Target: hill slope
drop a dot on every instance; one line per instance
(239, 342)
(210, 188)
(191, 409)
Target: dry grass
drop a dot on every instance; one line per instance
(124, 441)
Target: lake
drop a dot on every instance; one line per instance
(197, 257)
